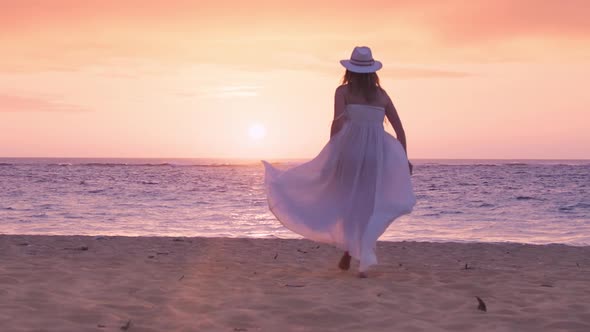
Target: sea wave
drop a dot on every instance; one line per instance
(146, 197)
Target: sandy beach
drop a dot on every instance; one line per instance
(75, 283)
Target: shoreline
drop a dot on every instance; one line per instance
(272, 237)
(103, 283)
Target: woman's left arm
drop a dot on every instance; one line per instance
(396, 123)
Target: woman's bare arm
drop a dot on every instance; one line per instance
(339, 105)
(396, 122)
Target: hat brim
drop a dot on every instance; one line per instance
(361, 69)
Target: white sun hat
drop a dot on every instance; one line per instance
(361, 61)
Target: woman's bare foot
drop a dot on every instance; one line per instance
(363, 275)
(344, 262)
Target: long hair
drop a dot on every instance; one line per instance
(366, 85)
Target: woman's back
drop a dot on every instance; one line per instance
(380, 99)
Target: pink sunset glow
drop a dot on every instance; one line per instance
(483, 79)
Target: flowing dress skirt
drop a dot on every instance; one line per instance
(349, 194)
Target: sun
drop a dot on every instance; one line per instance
(257, 131)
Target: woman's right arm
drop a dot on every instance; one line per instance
(339, 105)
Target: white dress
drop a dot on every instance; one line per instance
(351, 192)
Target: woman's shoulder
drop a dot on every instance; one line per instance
(382, 97)
(341, 89)
(386, 95)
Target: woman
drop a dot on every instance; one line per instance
(359, 184)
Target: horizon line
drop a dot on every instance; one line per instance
(297, 158)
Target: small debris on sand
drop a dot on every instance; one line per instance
(127, 326)
(81, 248)
(482, 304)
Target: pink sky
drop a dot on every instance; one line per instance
(477, 79)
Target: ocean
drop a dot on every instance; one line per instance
(526, 201)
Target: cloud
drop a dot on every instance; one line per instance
(412, 72)
(19, 104)
(67, 35)
(230, 91)
(461, 22)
